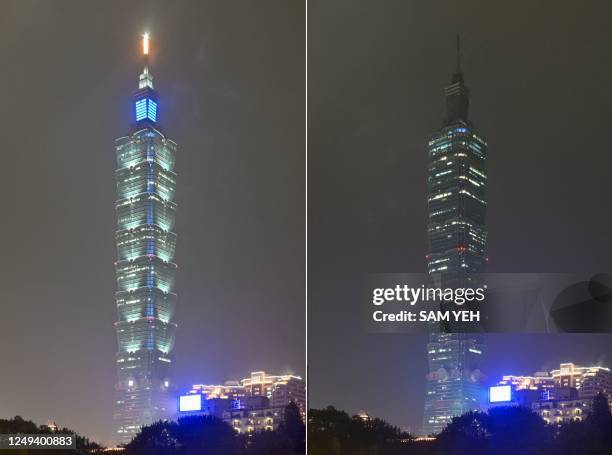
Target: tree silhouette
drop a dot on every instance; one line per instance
(209, 435)
(288, 439)
(503, 430)
(600, 416)
(189, 435)
(500, 431)
(333, 432)
(466, 434)
(516, 429)
(293, 428)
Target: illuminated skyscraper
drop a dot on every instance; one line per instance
(145, 272)
(457, 240)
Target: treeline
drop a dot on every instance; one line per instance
(500, 431)
(209, 435)
(194, 435)
(19, 425)
(334, 432)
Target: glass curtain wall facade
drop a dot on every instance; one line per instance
(457, 242)
(145, 269)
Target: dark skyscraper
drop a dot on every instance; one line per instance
(457, 240)
(145, 271)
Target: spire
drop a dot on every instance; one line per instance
(457, 94)
(145, 44)
(458, 75)
(145, 99)
(146, 78)
(458, 54)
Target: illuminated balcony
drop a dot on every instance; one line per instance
(145, 271)
(145, 178)
(146, 145)
(145, 333)
(145, 209)
(145, 240)
(145, 302)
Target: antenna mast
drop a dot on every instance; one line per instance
(458, 54)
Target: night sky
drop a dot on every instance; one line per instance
(231, 78)
(539, 74)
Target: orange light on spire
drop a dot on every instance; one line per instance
(145, 44)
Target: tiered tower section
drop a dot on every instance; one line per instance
(457, 205)
(145, 272)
